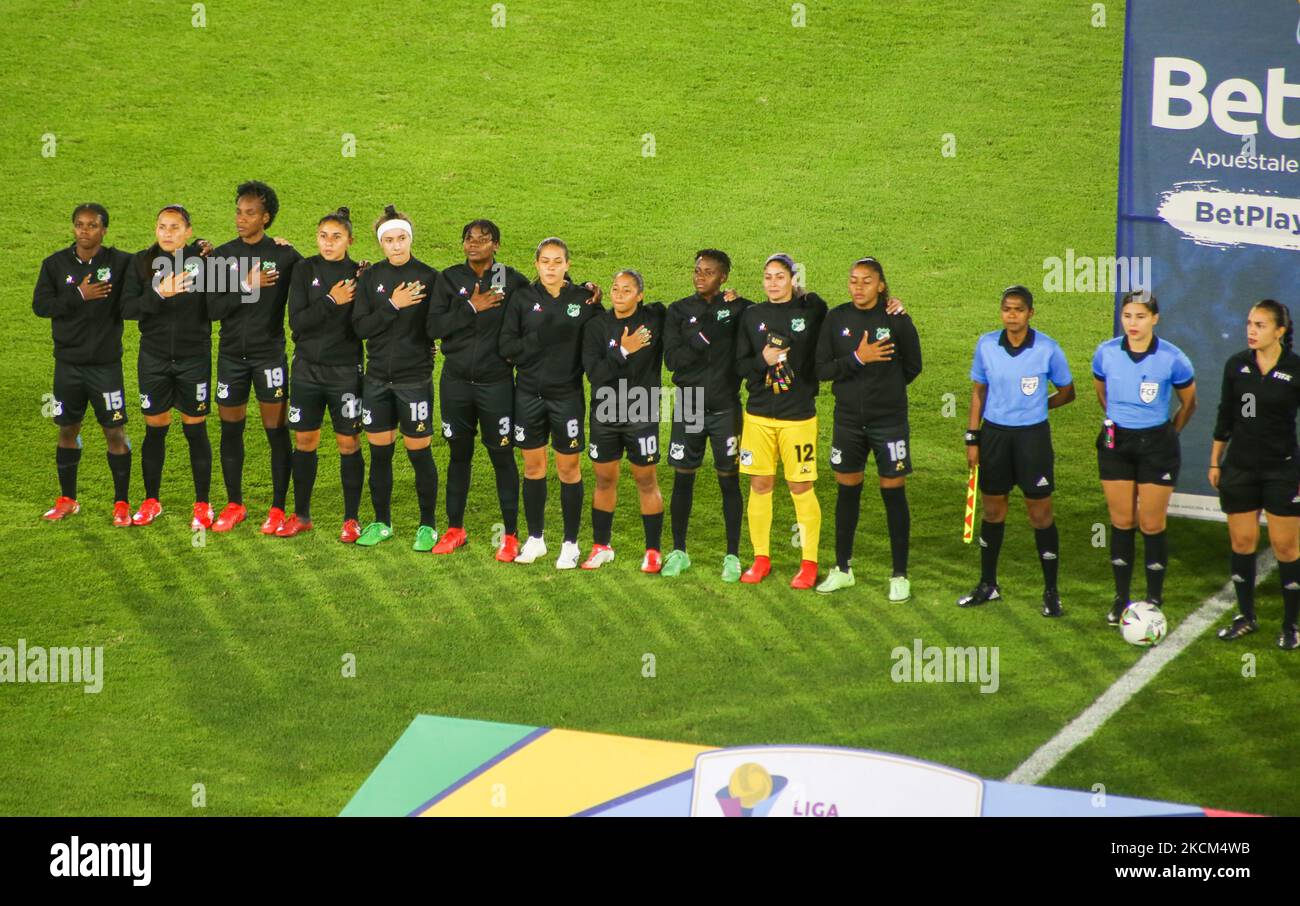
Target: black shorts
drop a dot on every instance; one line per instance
(1011, 457)
(1276, 490)
(721, 430)
(640, 440)
(318, 387)
(174, 383)
(100, 386)
(385, 407)
(468, 408)
(1146, 456)
(852, 441)
(269, 379)
(560, 420)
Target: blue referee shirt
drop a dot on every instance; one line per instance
(1139, 385)
(1017, 376)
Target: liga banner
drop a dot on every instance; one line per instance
(1209, 184)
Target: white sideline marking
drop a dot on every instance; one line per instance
(1082, 727)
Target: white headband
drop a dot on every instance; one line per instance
(395, 224)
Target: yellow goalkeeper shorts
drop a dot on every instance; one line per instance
(765, 441)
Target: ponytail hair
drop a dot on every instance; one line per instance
(341, 215)
(1282, 318)
(390, 213)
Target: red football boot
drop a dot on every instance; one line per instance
(652, 562)
(63, 506)
(202, 518)
(293, 526)
(274, 519)
(149, 510)
(807, 575)
(509, 549)
(351, 531)
(121, 514)
(758, 572)
(450, 540)
(231, 516)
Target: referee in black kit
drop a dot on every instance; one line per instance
(1261, 468)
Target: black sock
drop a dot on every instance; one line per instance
(535, 506)
(152, 456)
(571, 509)
(352, 473)
(1243, 583)
(381, 482)
(281, 464)
(119, 466)
(66, 460)
(679, 507)
(653, 523)
(990, 546)
(848, 507)
(1123, 551)
(232, 459)
(1049, 548)
(304, 481)
(899, 519)
(602, 525)
(507, 473)
(200, 459)
(458, 476)
(733, 509)
(1156, 548)
(426, 484)
(1289, 573)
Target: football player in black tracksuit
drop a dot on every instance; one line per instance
(251, 353)
(80, 290)
(166, 292)
(477, 389)
(871, 356)
(542, 336)
(390, 312)
(326, 372)
(699, 350)
(622, 353)
(1261, 467)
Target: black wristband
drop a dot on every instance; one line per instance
(972, 437)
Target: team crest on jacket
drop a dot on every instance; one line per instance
(882, 333)
(723, 314)
(797, 325)
(1147, 392)
(1029, 385)
(574, 309)
(104, 273)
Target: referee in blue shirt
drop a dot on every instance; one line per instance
(1011, 370)
(1137, 451)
